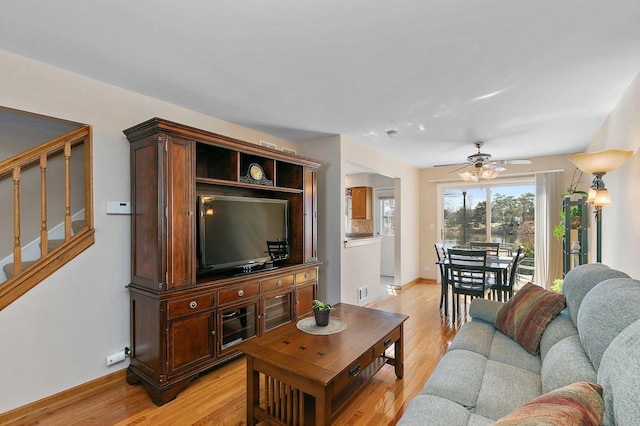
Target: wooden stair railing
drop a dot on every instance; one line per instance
(27, 274)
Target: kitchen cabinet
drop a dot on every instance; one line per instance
(361, 203)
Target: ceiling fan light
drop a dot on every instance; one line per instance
(468, 176)
(489, 174)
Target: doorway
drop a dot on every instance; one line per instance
(385, 228)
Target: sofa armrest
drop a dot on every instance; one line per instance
(484, 309)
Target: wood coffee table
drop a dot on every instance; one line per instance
(297, 378)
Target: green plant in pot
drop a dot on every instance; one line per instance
(322, 312)
(576, 211)
(576, 218)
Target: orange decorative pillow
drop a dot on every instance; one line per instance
(525, 316)
(576, 404)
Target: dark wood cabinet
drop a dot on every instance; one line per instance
(184, 321)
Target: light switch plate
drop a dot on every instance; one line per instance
(118, 207)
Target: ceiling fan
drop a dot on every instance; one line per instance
(479, 166)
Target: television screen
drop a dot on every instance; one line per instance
(234, 230)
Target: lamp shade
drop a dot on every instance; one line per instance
(591, 196)
(600, 161)
(602, 198)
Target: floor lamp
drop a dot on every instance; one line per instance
(598, 164)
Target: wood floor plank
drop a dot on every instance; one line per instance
(218, 397)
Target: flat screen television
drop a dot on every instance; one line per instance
(233, 231)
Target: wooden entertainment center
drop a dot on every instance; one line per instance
(185, 320)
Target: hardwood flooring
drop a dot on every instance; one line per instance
(218, 397)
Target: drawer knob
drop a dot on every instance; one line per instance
(355, 370)
(193, 304)
(279, 283)
(306, 275)
(240, 293)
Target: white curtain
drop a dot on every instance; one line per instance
(548, 250)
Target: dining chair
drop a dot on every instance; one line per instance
(444, 292)
(525, 272)
(507, 249)
(506, 289)
(491, 248)
(467, 275)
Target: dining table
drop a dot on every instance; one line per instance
(499, 266)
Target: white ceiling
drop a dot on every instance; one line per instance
(529, 77)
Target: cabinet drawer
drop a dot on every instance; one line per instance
(308, 275)
(354, 369)
(238, 293)
(277, 283)
(389, 340)
(189, 305)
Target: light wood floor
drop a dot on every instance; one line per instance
(218, 397)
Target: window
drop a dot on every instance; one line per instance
(387, 216)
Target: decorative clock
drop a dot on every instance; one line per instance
(255, 174)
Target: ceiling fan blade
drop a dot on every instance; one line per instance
(461, 168)
(452, 164)
(522, 161)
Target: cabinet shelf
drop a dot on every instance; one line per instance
(210, 181)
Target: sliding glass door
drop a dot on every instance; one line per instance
(497, 211)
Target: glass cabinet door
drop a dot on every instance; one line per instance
(237, 323)
(278, 309)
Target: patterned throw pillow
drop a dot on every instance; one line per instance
(576, 404)
(525, 316)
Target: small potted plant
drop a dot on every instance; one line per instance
(321, 311)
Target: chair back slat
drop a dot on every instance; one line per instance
(490, 248)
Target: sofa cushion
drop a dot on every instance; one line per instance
(456, 367)
(559, 328)
(606, 310)
(475, 336)
(566, 363)
(525, 316)
(580, 280)
(439, 411)
(577, 404)
(504, 388)
(506, 350)
(619, 375)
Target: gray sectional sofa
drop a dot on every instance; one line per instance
(486, 375)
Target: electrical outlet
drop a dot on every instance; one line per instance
(116, 357)
(363, 293)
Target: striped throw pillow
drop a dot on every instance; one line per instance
(579, 403)
(525, 316)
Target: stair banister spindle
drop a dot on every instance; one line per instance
(44, 235)
(17, 250)
(67, 191)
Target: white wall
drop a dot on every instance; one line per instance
(58, 335)
(620, 224)
(338, 281)
(330, 212)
